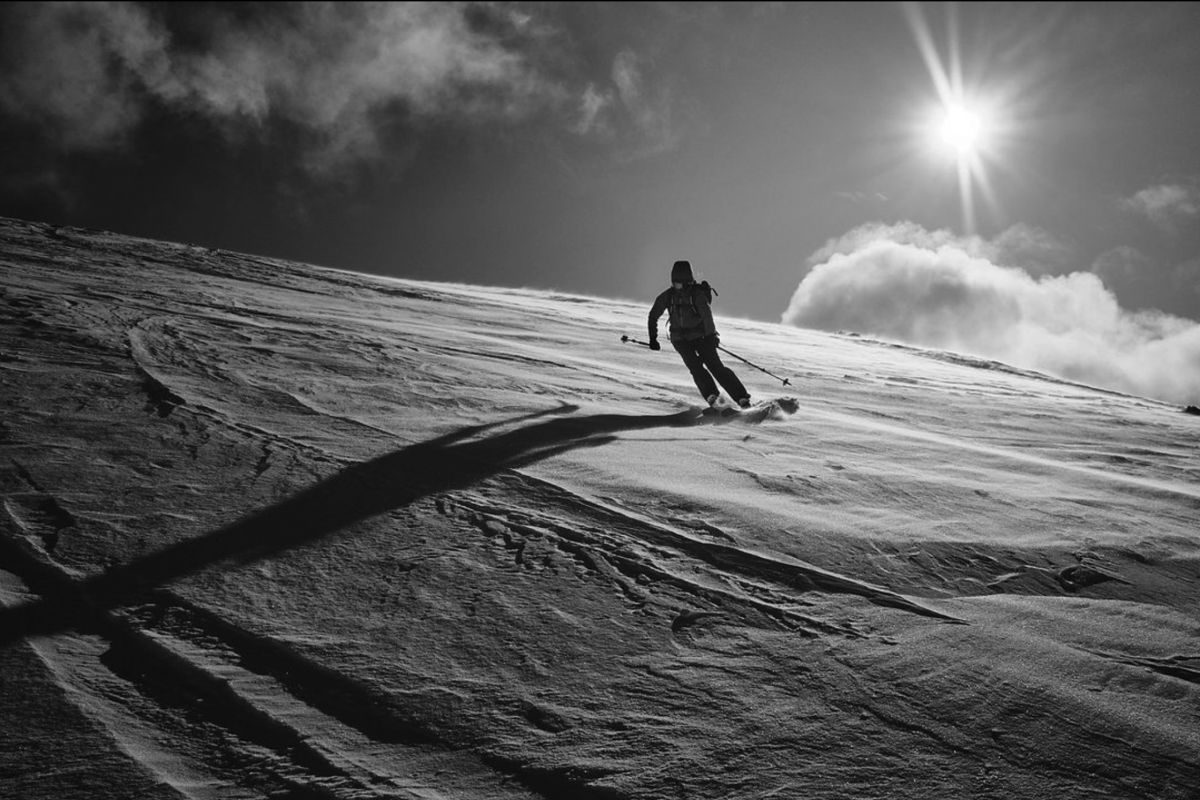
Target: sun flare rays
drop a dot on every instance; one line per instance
(963, 127)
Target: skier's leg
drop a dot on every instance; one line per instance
(695, 365)
(708, 356)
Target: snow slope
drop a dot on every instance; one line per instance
(274, 530)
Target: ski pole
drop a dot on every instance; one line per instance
(635, 341)
(756, 366)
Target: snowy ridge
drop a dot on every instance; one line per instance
(276, 530)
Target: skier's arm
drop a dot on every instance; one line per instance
(656, 311)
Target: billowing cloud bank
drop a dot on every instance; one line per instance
(932, 290)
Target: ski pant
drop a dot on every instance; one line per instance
(701, 358)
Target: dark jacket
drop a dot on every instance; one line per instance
(688, 310)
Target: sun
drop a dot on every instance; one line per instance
(960, 132)
(969, 125)
(962, 129)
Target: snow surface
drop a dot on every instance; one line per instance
(275, 530)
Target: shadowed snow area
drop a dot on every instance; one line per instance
(275, 530)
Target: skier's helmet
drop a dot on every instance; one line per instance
(681, 272)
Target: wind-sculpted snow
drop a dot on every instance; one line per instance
(273, 530)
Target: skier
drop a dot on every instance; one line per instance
(694, 335)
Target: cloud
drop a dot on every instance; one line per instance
(1026, 246)
(648, 107)
(1122, 268)
(861, 198)
(1165, 280)
(636, 111)
(71, 68)
(1034, 250)
(593, 118)
(933, 290)
(900, 232)
(1167, 206)
(85, 72)
(343, 74)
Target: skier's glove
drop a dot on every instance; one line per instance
(654, 345)
(713, 339)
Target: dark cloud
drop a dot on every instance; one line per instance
(76, 70)
(84, 73)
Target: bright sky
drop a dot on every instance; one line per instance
(996, 166)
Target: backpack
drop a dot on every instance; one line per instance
(686, 316)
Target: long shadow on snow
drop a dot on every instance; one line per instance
(354, 494)
(363, 491)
